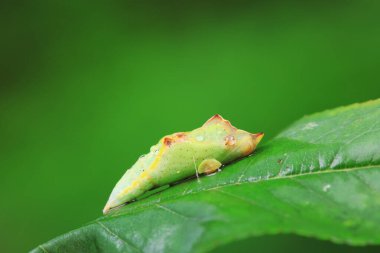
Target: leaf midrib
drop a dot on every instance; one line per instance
(152, 205)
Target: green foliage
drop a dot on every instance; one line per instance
(318, 178)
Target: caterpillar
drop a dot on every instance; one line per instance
(181, 155)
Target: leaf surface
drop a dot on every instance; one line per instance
(319, 178)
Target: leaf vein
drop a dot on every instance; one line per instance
(42, 248)
(251, 202)
(172, 211)
(118, 237)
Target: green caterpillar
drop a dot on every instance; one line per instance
(181, 155)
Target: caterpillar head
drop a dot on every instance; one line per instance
(239, 142)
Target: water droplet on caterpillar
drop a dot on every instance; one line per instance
(200, 138)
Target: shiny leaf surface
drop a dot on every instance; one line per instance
(319, 178)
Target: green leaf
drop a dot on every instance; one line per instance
(319, 178)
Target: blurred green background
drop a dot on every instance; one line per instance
(87, 87)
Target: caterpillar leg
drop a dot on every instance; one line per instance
(209, 166)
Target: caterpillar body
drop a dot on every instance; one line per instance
(181, 155)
